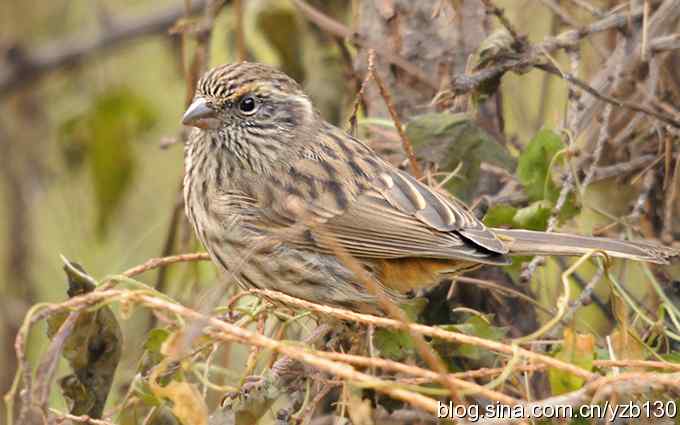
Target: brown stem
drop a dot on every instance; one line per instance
(26, 68)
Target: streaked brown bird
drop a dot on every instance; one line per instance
(273, 190)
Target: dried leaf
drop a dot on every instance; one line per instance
(626, 346)
(188, 405)
(155, 339)
(577, 349)
(498, 45)
(360, 410)
(93, 350)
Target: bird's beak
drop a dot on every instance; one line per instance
(199, 114)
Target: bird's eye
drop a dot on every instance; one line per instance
(247, 105)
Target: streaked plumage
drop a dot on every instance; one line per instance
(262, 183)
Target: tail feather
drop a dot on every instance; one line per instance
(528, 242)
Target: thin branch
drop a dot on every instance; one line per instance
(341, 31)
(429, 355)
(82, 419)
(665, 43)
(338, 364)
(464, 83)
(555, 7)
(405, 141)
(584, 297)
(228, 332)
(671, 196)
(45, 372)
(568, 186)
(155, 263)
(624, 385)
(491, 8)
(391, 365)
(585, 4)
(607, 98)
(27, 67)
(622, 168)
(424, 330)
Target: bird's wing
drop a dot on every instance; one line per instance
(406, 194)
(373, 228)
(375, 211)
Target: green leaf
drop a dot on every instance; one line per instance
(500, 215)
(102, 136)
(152, 354)
(533, 166)
(673, 357)
(143, 392)
(395, 345)
(414, 307)
(479, 326)
(155, 339)
(533, 171)
(482, 327)
(534, 216)
(455, 142)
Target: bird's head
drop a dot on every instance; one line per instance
(251, 98)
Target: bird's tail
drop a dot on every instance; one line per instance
(528, 242)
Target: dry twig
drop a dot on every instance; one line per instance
(27, 67)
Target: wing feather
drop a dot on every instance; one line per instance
(445, 215)
(373, 228)
(379, 213)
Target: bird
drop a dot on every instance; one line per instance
(275, 193)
